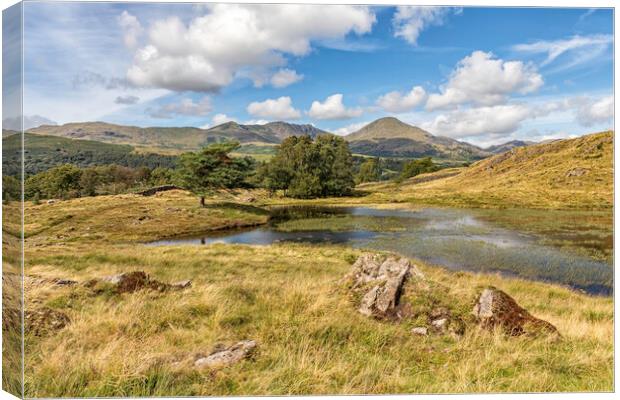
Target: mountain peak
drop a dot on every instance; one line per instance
(389, 128)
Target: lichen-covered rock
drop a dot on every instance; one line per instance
(385, 276)
(225, 357)
(42, 321)
(496, 308)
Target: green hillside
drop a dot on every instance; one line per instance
(43, 152)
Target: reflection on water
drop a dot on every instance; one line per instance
(455, 238)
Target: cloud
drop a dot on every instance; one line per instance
(589, 112)
(219, 119)
(186, 107)
(126, 100)
(285, 77)
(90, 79)
(398, 102)
(555, 49)
(333, 108)
(30, 121)
(131, 27)
(479, 120)
(280, 108)
(410, 21)
(345, 130)
(482, 79)
(234, 40)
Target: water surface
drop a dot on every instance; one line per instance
(571, 248)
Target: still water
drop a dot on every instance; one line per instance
(571, 248)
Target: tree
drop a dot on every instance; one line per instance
(304, 168)
(370, 171)
(62, 181)
(213, 168)
(417, 167)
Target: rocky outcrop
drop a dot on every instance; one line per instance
(129, 282)
(495, 308)
(381, 279)
(225, 357)
(44, 320)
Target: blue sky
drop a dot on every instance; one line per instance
(483, 75)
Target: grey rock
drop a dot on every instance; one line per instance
(420, 331)
(388, 275)
(229, 356)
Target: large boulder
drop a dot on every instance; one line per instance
(228, 356)
(381, 280)
(495, 308)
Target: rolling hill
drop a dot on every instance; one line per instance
(563, 174)
(390, 137)
(177, 139)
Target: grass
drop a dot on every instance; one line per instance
(288, 297)
(312, 341)
(566, 174)
(133, 218)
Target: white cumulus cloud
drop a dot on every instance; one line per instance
(484, 80)
(591, 112)
(280, 108)
(132, 29)
(398, 102)
(234, 40)
(285, 77)
(345, 130)
(186, 107)
(333, 108)
(410, 21)
(479, 120)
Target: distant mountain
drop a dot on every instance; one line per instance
(177, 139)
(390, 137)
(504, 147)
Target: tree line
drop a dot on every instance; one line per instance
(301, 168)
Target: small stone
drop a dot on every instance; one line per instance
(420, 331)
(182, 284)
(440, 324)
(229, 356)
(51, 201)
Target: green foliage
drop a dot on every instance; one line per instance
(304, 168)
(370, 171)
(417, 167)
(67, 181)
(45, 152)
(212, 168)
(11, 189)
(62, 181)
(163, 176)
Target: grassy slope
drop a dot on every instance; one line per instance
(311, 338)
(534, 177)
(284, 296)
(130, 218)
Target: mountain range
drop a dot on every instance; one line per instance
(385, 137)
